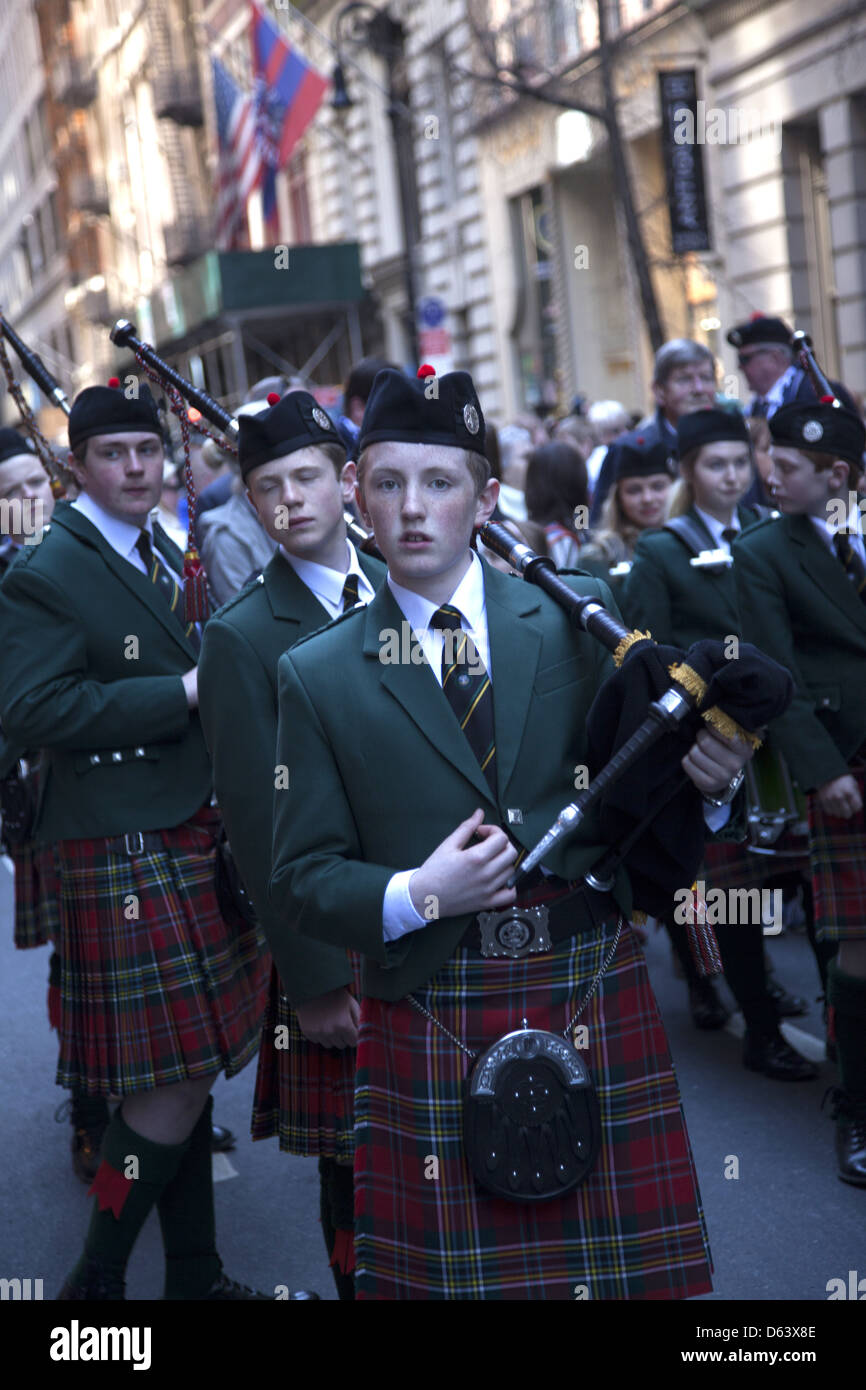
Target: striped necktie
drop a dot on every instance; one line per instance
(467, 688)
(760, 409)
(730, 533)
(165, 582)
(351, 595)
(854, 566)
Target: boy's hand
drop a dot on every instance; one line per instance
(841, 797)
(331, 1020)
(713, 760)
(466, 877)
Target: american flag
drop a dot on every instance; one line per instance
(240, 157)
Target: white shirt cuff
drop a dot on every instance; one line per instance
(398, 910)
(716, 817)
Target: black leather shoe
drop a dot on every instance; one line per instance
(97, 1285)
(787, 1005)
(225, 1289)
(222, 1140)
(708, 1011)
(776, 1058)
(850, 1138)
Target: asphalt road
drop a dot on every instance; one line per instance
(781, 1229)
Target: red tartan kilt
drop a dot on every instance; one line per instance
(304, 1093)
(167, 994)
(633, 1230)
(729, 865)
(36, 894)
(838, 855)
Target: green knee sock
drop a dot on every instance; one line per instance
(186, 1215)
(847, 994)
(133, 1173)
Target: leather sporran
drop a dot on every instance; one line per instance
(531, 1120)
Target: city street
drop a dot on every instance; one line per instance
(780, 1230)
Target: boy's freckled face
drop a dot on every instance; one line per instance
(797, 487)
(422, 504)
(300, 499)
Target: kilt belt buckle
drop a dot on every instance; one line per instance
(515, 932)
(134, 841)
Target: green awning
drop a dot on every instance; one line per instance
(235, 282)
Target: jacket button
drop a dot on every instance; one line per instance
(117, 757)
(94, 758)
(139, 752)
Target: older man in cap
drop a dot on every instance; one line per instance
(765, 356)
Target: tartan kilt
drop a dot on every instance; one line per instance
(634, 1229)
(36, 894)
(170, 995)
(838, 856)
(304, 1093)
(728, 865)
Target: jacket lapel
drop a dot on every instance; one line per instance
(515, 647)
(373, 569)
(133, 579)
(825, 570)
(414, 686)
(290, 599)
(701, 525)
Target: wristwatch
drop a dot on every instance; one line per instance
(728, 794)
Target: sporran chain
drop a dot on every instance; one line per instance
(566, 1032)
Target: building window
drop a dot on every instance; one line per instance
(534, 332)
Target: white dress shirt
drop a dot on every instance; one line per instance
(398, 913)
(827, 531)
(716, 528)
(327, 584)
(776, 394)
(122, 536)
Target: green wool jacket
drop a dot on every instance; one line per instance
(799, 606)
(678, 603)
(380, 772)
(91, 673)
(237, 685)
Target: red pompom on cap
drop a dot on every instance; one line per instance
(828, 400)
(274, 397)
(425, 370)
(114, 382)
(753, 318)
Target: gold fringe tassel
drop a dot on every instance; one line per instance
(724, 724)
(690, 681)
(627, 643)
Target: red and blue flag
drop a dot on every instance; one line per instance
(288, 95)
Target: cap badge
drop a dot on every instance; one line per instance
(813, 430)
(736, 338)
(470, 419)
(321, 419)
